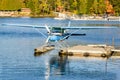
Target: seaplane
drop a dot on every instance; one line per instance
(58, 34)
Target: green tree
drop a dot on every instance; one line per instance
(95, 7)
(74, 6)
(101, 7)
(33, 5)
(82, 6)
(30, 4)
(36, 8)
(89, 6)
(116, 6)
(46, 7)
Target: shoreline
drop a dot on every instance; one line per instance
(110, 18)
(27, 16)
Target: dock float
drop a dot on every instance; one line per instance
(42, 49)
(88, 50)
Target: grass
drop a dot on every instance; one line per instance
(10, 4)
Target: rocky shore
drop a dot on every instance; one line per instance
(28, 14)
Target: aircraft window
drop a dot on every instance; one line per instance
(56, 31)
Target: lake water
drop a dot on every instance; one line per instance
(17, 44)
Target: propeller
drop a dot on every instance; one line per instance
(47, 40)
(47, 28)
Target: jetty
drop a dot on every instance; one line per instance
(43, 49)
(99, 50)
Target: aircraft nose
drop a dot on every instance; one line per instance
(55, 38)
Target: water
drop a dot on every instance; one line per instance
(17, 44)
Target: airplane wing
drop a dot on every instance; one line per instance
(64, 27)
(90, 27)
(23, 25)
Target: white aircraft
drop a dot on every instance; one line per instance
(56, 34)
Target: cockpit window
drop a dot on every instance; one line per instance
(57, 30)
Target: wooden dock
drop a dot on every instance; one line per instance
(40, 50)
(88, 50)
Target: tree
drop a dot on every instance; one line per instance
(82, 6)
(89, 6)
(116, 6)
(74, 6)
(95, 7)
(101, 7)
(36, 7)
(46, 7)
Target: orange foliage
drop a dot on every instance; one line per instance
(109, 7)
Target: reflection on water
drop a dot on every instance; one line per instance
(60, 67)
(17, 60)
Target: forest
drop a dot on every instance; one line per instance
(48, 7)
